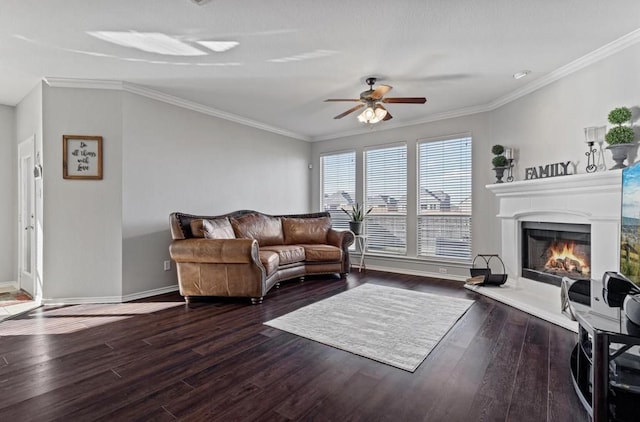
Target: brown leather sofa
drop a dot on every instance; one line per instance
(246, 253)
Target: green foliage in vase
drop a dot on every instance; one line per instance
(357, 212)
(619, 115)
(619, 134)
(497, 149)
(500, 161)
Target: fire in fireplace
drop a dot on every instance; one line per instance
(551, 251)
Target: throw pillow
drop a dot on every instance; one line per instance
(265, 229)
(219, 228)
(305, 230)
(196, 228)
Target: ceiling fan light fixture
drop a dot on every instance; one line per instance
(372, 115)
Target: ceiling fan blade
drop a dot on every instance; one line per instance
(351, 110)
(341, 99)
(405, 100)
(380, 91)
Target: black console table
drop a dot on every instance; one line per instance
(605, 369)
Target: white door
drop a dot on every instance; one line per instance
(26, 217)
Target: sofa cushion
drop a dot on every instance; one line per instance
(218, 228)
(288, 254)
(305, 230)
(270, 261)
(265, 229)
(322, 253)
(196, 228)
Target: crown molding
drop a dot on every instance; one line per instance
(83, 83)
(169, 99)
(566, 70)
(572, 67)
(193, 106)
(588, 59)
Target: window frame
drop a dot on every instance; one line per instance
(405, 145)
(418, 215)
(322, 178)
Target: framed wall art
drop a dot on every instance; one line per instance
(82, 157)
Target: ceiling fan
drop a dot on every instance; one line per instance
(372, 99)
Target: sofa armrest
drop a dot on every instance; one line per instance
(223, 251)
(341, 239)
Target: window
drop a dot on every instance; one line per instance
(386, 193)
(444, 198)
(338, 181)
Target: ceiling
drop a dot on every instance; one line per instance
(293, 54)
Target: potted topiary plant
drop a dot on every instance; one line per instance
(357, 215)
(500, 162)
(619, 137)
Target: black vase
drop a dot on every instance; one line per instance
(499, 173)
(355, 226)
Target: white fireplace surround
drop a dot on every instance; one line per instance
(592, 199)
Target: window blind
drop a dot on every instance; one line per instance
(338, 186)
(386, 193)
(444, 198)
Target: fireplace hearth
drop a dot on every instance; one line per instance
(551, 251)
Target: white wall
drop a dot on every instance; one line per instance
(547, 125)
(8, 193)
(180, 160)
(82, 234)
(105, 240)
(486, 235)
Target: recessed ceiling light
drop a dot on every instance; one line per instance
(218, 46)
(151, 42)
(521, 74)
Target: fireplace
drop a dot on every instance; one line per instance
(551, 251)
(592, 200)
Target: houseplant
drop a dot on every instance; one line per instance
(357, 215)
(619, 137)
(500, 162)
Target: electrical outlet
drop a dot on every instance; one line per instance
(167, 265)
(443, 270)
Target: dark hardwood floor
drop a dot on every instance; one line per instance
(159, 359)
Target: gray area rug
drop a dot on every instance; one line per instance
(394, 326)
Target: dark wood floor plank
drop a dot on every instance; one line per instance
(160, 359)
(532, 380)
(494, 395)
(563, 403)
(467, 376)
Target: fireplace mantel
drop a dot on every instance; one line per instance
(592, 199)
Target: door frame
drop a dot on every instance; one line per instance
(27, 280)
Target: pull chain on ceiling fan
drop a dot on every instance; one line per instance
(371, 99)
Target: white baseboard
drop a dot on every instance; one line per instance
(149, 293)
(451, 277)
(109, 299)
(81, 300)
(9, 284)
